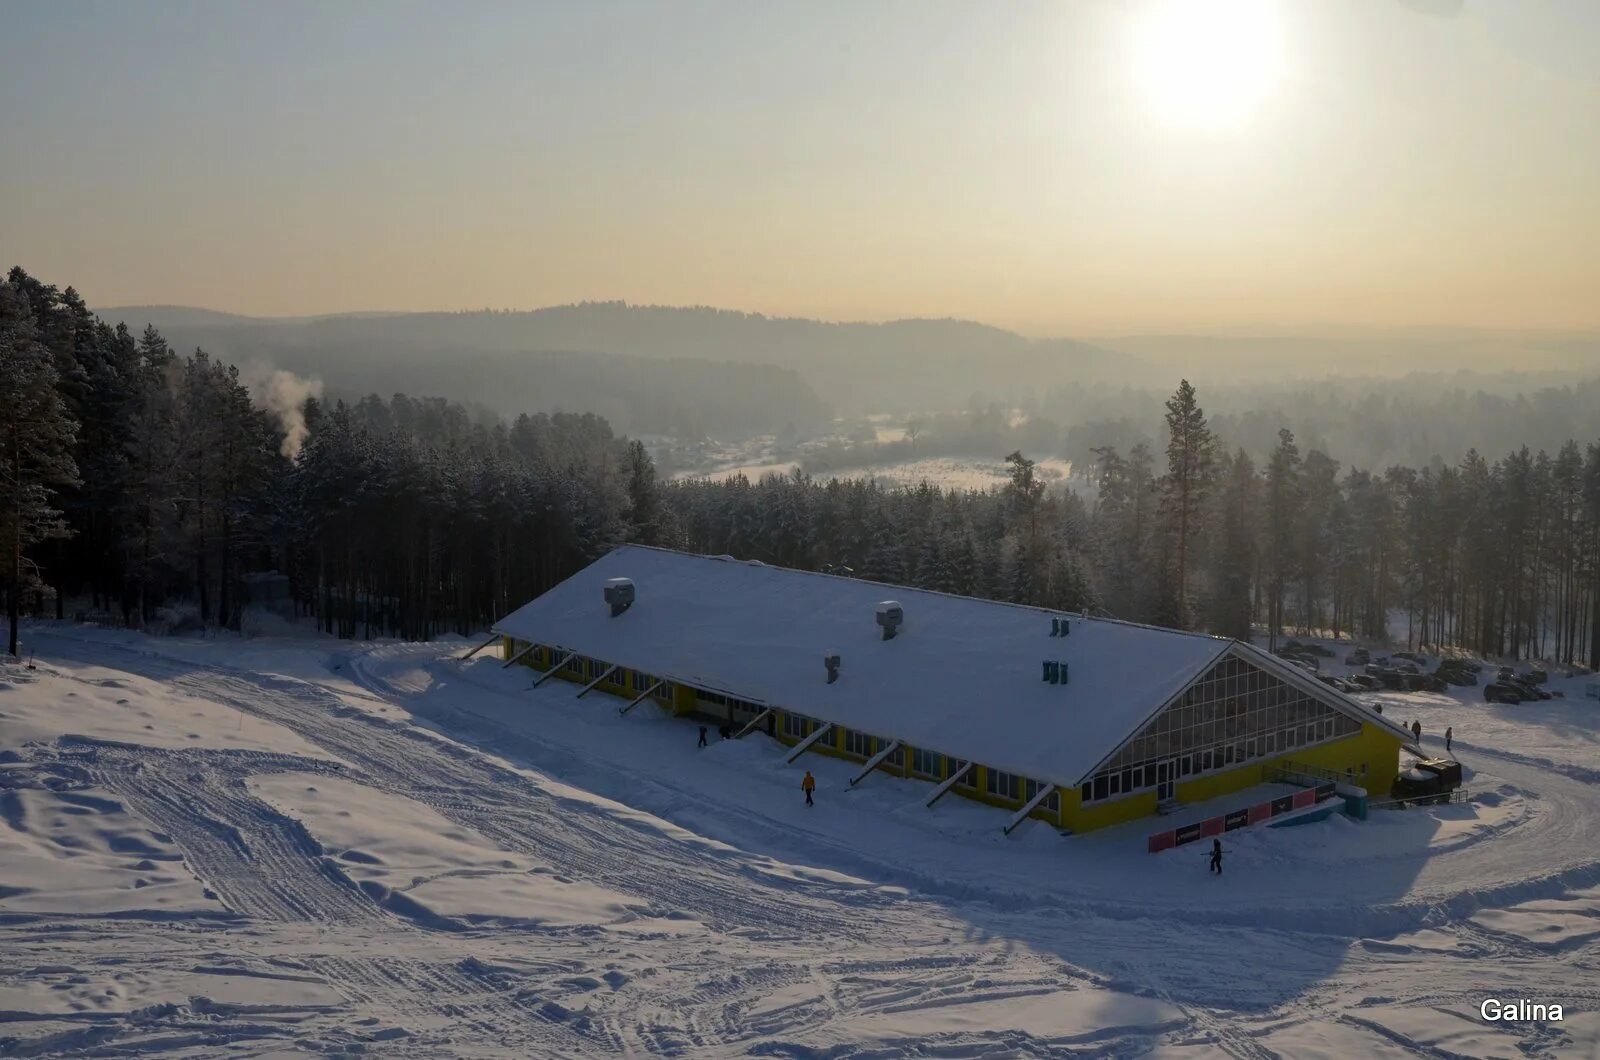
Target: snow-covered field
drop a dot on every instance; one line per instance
(256, 848)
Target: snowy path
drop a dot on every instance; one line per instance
(742, 933)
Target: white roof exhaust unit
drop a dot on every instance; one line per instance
(619, 594)
(891, 616)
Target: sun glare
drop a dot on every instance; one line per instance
(1208, 64)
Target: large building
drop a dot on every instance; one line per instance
(1080, 721)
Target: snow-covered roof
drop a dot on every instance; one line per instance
(963, 677)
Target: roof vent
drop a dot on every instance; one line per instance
(1055, 672)
(831, 661)
(890, 616)
(1060, 627)
(619, 594)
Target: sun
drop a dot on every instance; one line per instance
(1207, 64)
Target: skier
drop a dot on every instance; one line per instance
(1216, 856)
(1449, 730)
(1416, 730)
(702, 736)
(809, 785)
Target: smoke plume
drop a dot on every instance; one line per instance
(284, 394)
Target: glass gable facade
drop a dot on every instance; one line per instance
(1233, 715)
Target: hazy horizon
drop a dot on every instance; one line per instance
(1088, 169)
(1332, 330)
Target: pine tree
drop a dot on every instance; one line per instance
(1234, 550)
(1282, 506)
(36, 444)
(1190, 455)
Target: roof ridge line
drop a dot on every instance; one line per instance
(1048, 611)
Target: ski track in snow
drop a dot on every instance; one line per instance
(724, 956)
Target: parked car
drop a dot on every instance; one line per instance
(1389, 677)
(1359, 657)
(1412, 657)
(1363, 682)
(1407, 667)
(1506, 692)
(1455, 674)
(1537, 676)
(1336, 682)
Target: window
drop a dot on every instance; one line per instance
(797, 726)
(1234, 714)
(743, 709)
(858, 743)
(1005, 785)
(927, 763)
(1052, 802)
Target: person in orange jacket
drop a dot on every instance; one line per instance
(809, 785)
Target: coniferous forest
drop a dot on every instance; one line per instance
(149, 487)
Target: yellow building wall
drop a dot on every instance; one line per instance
(972, 788)
(541, 659)
(1373, 748)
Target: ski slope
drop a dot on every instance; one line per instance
(298, 845)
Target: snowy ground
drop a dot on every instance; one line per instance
(252, 848)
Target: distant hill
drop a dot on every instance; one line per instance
(1362, 351)
(852, 367)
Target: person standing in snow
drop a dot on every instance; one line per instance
(808, 785)
(1416, 730)
(1216, 856)
(1449, 730)
(702, 736)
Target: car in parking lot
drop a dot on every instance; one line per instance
(1508, 692)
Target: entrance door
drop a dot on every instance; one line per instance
(1166, 780)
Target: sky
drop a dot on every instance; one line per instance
(1058, 168)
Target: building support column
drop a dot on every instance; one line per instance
(479, 648)
(555, 669)
(757, 720)
(1033, 804)
(949, 782)
(874, 762)
(517, 656)
(590, 686)
(805, 745)
(640, 698)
